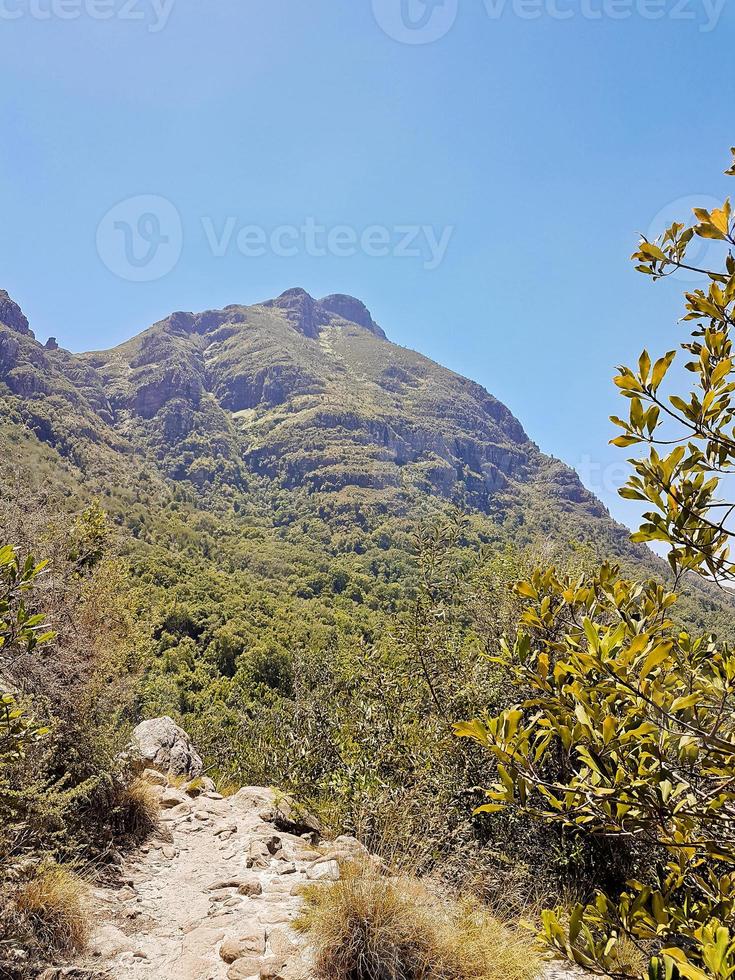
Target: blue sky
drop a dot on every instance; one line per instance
(532, 138)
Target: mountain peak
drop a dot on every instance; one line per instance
(308, 314)
(12, 315)
(301, 309)
(351, 309)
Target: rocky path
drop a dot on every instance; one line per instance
(214, 896)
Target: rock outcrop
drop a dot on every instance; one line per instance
(12, 315)
(161, 745)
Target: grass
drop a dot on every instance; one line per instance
(374, 926)
(137, 810)
(227, 787)
(54, 905)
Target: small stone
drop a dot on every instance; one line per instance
(126, 894)
(109, 941)
(271, 967)
(154, 777)
(250, 886)
(287, 869)
(324, 871)
(281, 941)
(226, 883)
(169, 852)
(172, 798)
(176, 812)
(258, 855)
(243, 945)
(243, 968)
(224, 827)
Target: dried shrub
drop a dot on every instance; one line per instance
(54, 907)
(136, 811)
(376, 926)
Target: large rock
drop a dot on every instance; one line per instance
(160, 744)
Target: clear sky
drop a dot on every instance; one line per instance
(474, 170)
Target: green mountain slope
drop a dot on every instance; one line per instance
(310, 394)
(267, 466)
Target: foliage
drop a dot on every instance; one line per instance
(52, 906)
(134, 812)
(22, 630)
(695, 430)
(63, 801)
(626, 729)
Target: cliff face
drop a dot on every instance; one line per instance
(306, 393)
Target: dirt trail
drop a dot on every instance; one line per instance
(215, 897)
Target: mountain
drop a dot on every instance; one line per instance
(306, 393)
(291, 447)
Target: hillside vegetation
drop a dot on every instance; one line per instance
(299, 540)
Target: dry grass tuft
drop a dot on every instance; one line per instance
(373, 926)
(54, 905)
(177, 782)
(226, 787)
(137, 812)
